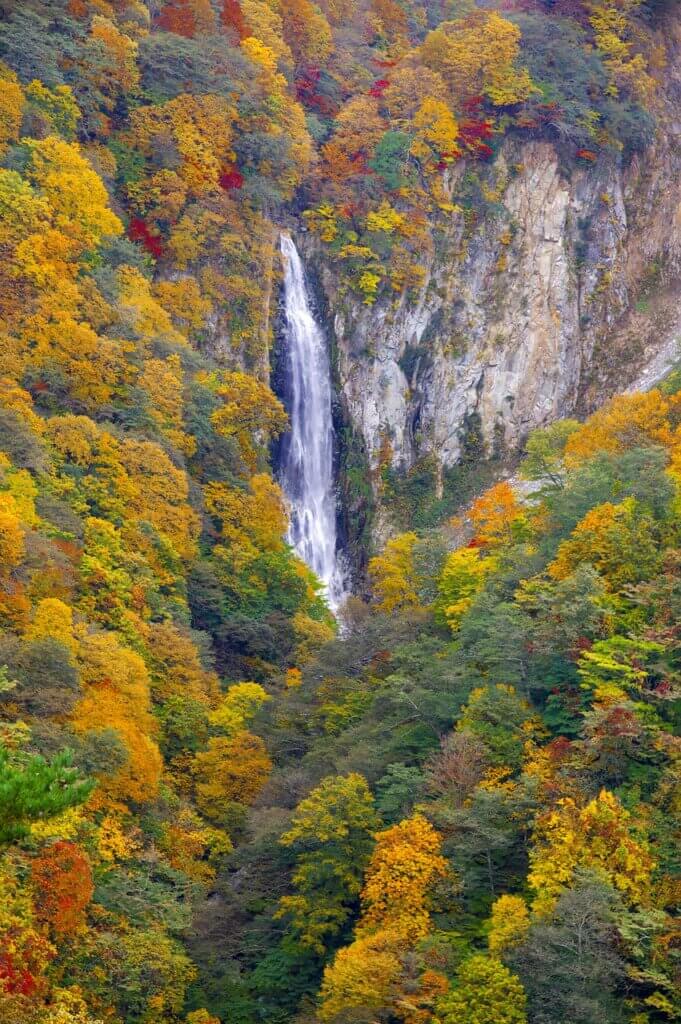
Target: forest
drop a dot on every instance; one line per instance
(218, 805)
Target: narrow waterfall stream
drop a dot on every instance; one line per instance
(307, 451)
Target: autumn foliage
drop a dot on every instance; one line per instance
(213, 808)
(62, 881)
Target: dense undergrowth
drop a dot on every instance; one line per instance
(211, 809)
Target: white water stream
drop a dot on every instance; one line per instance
(307, 455)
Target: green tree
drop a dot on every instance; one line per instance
(569, 963)
(502, 720)
(391, 159)
(33, 789)
(332, 833)
(544, 452)
(494, 634)
(484, 992)
(486, 838)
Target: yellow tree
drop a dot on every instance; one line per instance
(509, 923)
(231, 770)
(78, 200)
(140, 310)
(175, 666)
(287, 116)
(58, 106)
(371, 973)
(613, 27)
(201, 128)
(266, 25)
(52, 618)
(390, 22)
(410, 86)
(11, 539)
(618, 540)
(67, 1006)
(358, 125)
(331, 832)
(484, 992)
(253, 518)
(306, 32)
(160, 494)
(393, 575)
(186, 304)
(627, 421)
(121, 49)
(436, 135)
(364, 975)
(599, 836)
(239, 705)
(250, 413)
(403, 868)
(477, 55)
(116, 696)
(94, 366)
(11, 107)
(462, 577)
(163, 381)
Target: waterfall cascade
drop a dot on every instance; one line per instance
(307, 451)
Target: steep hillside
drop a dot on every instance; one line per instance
(217, 807)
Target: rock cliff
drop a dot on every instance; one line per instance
(551, 287)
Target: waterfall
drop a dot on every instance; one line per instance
(307, 451)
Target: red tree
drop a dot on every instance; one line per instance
(186, 17)
(231, 178)
(139, 231)
(232, 17)
(62, 885)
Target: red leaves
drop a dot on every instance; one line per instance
(231, 178)
(559, 749)
(586, 154)
(178, 17)
(359, 159)
(473, 131)
(380, 663)
(306, 93)
(139, 231)
(483, 151)
(582, 643)
(62, 882)
(472, 104)
(24, 955)
(305, 88)
(447, 159)
(232, 17)
(618, 722)
(14, 980)
(473, 134)
(379, 87)
(72, 551)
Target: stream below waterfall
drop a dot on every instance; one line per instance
(306, 468)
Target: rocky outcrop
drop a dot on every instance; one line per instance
(559, 289)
